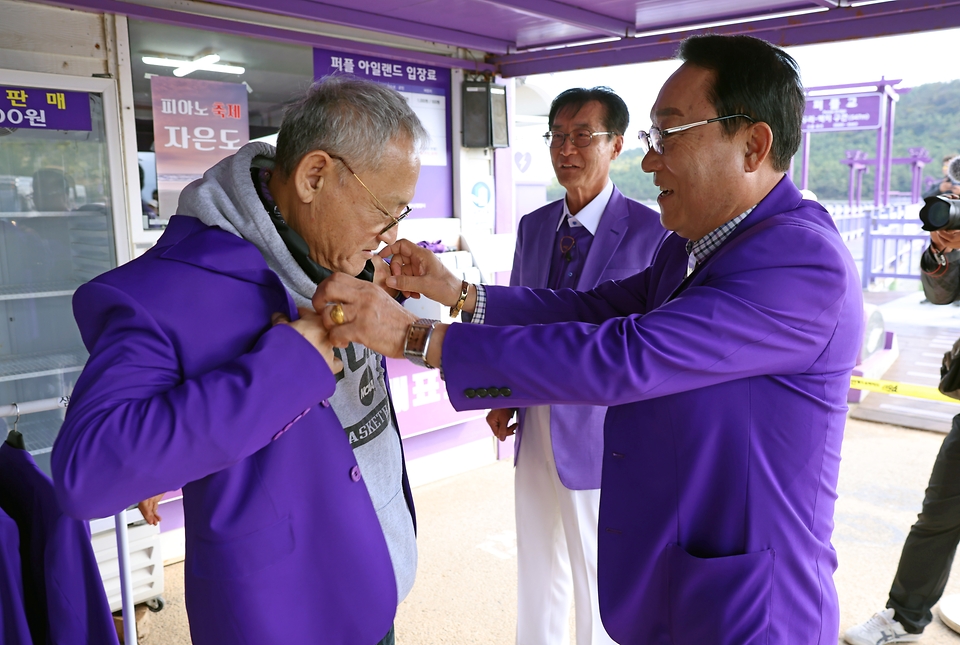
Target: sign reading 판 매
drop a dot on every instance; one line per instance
(195, 125)
(36, 108)
(843, 112)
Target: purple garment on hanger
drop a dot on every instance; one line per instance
(13, 616)
(64, 596)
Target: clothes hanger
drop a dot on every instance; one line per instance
(14, 438)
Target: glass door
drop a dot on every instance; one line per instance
(61, 205)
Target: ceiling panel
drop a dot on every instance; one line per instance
(654, 14)
(523, 24)
(517, 37)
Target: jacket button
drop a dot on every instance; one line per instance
(470, 393)
(493, 392)
(355, 473)
(481, 392)
(505, 391)
(325, 403)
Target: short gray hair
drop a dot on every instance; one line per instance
(349, 117)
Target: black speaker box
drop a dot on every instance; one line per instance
(484, 115)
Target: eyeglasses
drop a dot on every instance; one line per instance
(579, 138)
(653, 140)
(380, 207)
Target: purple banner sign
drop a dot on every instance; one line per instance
(36, 108)
(843, 112)
(383, 70)
(420, 399)
(427, 89)
(195, 125)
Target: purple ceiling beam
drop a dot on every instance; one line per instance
(194, 21)
(570, 15)
(372, 22)
(844, 23)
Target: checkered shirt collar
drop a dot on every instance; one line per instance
(703, 248)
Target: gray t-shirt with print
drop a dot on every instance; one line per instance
(363, 407)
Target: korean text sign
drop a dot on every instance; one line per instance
(195, 125)
(36, 108)
(840, 113)
(427, 90)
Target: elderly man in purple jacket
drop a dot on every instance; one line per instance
(298, 516)
(592, 235)
(725, 364)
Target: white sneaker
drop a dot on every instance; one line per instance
(879, 630)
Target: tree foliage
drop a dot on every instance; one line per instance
(928, 116)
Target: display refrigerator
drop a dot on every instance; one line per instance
(64, 219)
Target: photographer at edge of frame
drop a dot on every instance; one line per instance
(929, 549)
(939, 264)
(948, 184)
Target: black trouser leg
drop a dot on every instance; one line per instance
(929, 549)
(389, 638)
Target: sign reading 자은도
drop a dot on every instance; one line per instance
(195, 125)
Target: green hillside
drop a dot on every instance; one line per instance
(928, 116)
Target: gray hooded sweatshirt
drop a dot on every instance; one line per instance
(227, 198)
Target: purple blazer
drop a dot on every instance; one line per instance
(722, 442)
(63, 591)
(13, 615)
(188, 385)
(627, 238)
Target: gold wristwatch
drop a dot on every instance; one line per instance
(417, 342)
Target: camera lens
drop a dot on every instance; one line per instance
(940, 213)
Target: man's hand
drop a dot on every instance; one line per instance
(381, 271)
(370, 316)
(945, 240)
(419, 271)
(148, 508)
(310, 326)
(499, 422)
(947, 187)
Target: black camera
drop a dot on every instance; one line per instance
(940, 212)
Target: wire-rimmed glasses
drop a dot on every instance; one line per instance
(579, 138)
(653, 140)
(396, 219)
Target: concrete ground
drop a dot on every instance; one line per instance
(466, 591)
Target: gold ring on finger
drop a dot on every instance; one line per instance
(336, 314)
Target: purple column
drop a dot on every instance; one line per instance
(854, 184)
(880, 156)
(891, 111)
(503, 172)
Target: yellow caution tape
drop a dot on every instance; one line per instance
(904, 389)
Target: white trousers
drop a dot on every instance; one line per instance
(556, 546)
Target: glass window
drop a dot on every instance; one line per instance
(56, 232)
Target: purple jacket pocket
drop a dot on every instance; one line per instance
(242, 556)
(722, 601)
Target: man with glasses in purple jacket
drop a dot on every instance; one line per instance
(725, 365)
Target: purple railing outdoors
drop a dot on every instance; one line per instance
(886, 241)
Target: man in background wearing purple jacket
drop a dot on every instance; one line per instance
(592, 235)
